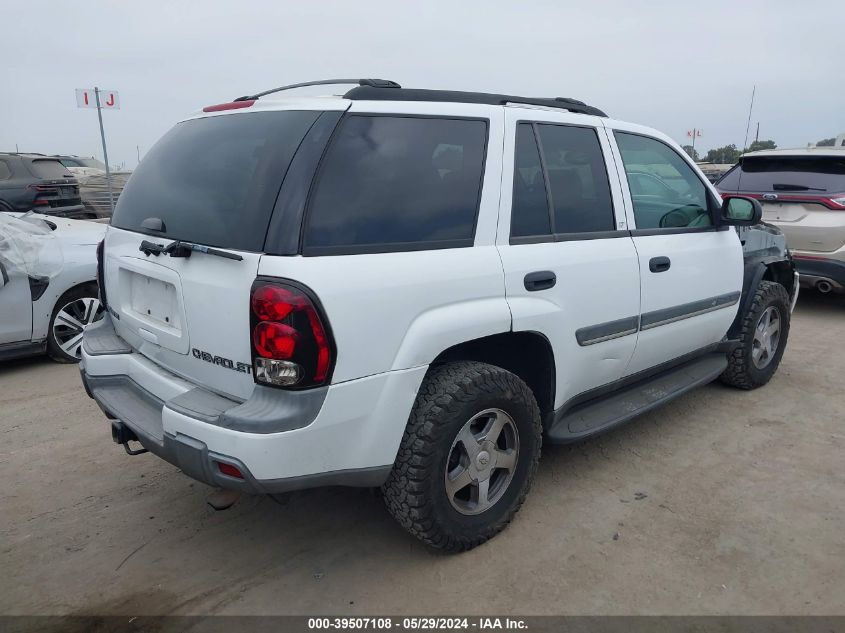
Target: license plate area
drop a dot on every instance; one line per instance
(783, 212)
(149, 305)
(154, 301)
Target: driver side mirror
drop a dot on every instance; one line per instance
(741, 211)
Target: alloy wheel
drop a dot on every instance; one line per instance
(482, 461)
(71, 320)
(766, 338)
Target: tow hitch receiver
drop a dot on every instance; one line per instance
(122, 434)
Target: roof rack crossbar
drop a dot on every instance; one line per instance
(373, 83)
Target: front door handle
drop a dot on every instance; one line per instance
(540, 280)
(659, 264)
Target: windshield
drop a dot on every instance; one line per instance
(214, 180)
(812, 174)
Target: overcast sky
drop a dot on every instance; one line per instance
(670, 64)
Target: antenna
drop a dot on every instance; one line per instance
(748, 124)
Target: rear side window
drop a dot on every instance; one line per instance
(214, 180)
(577, 178)
(48, 169)
(574, 182)
(5, 172)
(811, 174)
(392, 183)
(530, 210)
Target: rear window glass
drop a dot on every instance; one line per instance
(578, 179)
(214, 180)
(48, 169)
(396, 183)
(813, 174)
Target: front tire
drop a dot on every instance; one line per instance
(765, 329)
(74, 310)
(467, 457)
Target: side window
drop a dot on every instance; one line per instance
(397, 183)
(530, 209)
(666, 192)
(5, 172)
(577, 178)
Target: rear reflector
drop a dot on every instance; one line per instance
(232, 105)
(229, 470)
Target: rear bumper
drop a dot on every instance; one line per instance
(817, 268)
(349, 438)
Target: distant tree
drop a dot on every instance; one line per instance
(826, 142)
(758, 145)
(691, 151)
(728, 155)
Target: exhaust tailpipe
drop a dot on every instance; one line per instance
(824, 286)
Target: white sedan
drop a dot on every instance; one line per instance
(48, 284)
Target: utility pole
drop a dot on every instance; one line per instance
(138, 151)
(757, 136)
(105, 153)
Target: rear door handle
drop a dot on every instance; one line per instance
(540, 280)
(659, 264)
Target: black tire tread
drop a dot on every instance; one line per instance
(443, 390)
(736, 374)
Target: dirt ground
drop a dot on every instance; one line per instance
(720, 502)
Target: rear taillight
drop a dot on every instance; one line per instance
(836, 201)
(291, 343)
(101, 282)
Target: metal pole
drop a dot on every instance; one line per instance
(105, 152)
(693, 143)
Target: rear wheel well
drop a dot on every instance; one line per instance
(529, 355)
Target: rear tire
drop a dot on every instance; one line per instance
(763, 337)
(467, 457)
(75, 309)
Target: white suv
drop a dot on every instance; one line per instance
(413, 289)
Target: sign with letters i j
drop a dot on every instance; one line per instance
(109, 99)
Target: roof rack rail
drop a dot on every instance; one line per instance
(373, 83)
(369, 92)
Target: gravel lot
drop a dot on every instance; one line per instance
(720, 502)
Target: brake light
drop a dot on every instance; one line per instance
(233, 105)
(291, 343)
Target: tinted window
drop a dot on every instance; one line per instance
(530, 210)
(214, 180)
(577, 178)
(665, 190)
(813, 174)
(69, 162)
(398, 180)
(48, 169)
(5, 172)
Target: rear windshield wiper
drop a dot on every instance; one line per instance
(184, 249)
(783, 187)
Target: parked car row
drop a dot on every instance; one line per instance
(62, 186)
